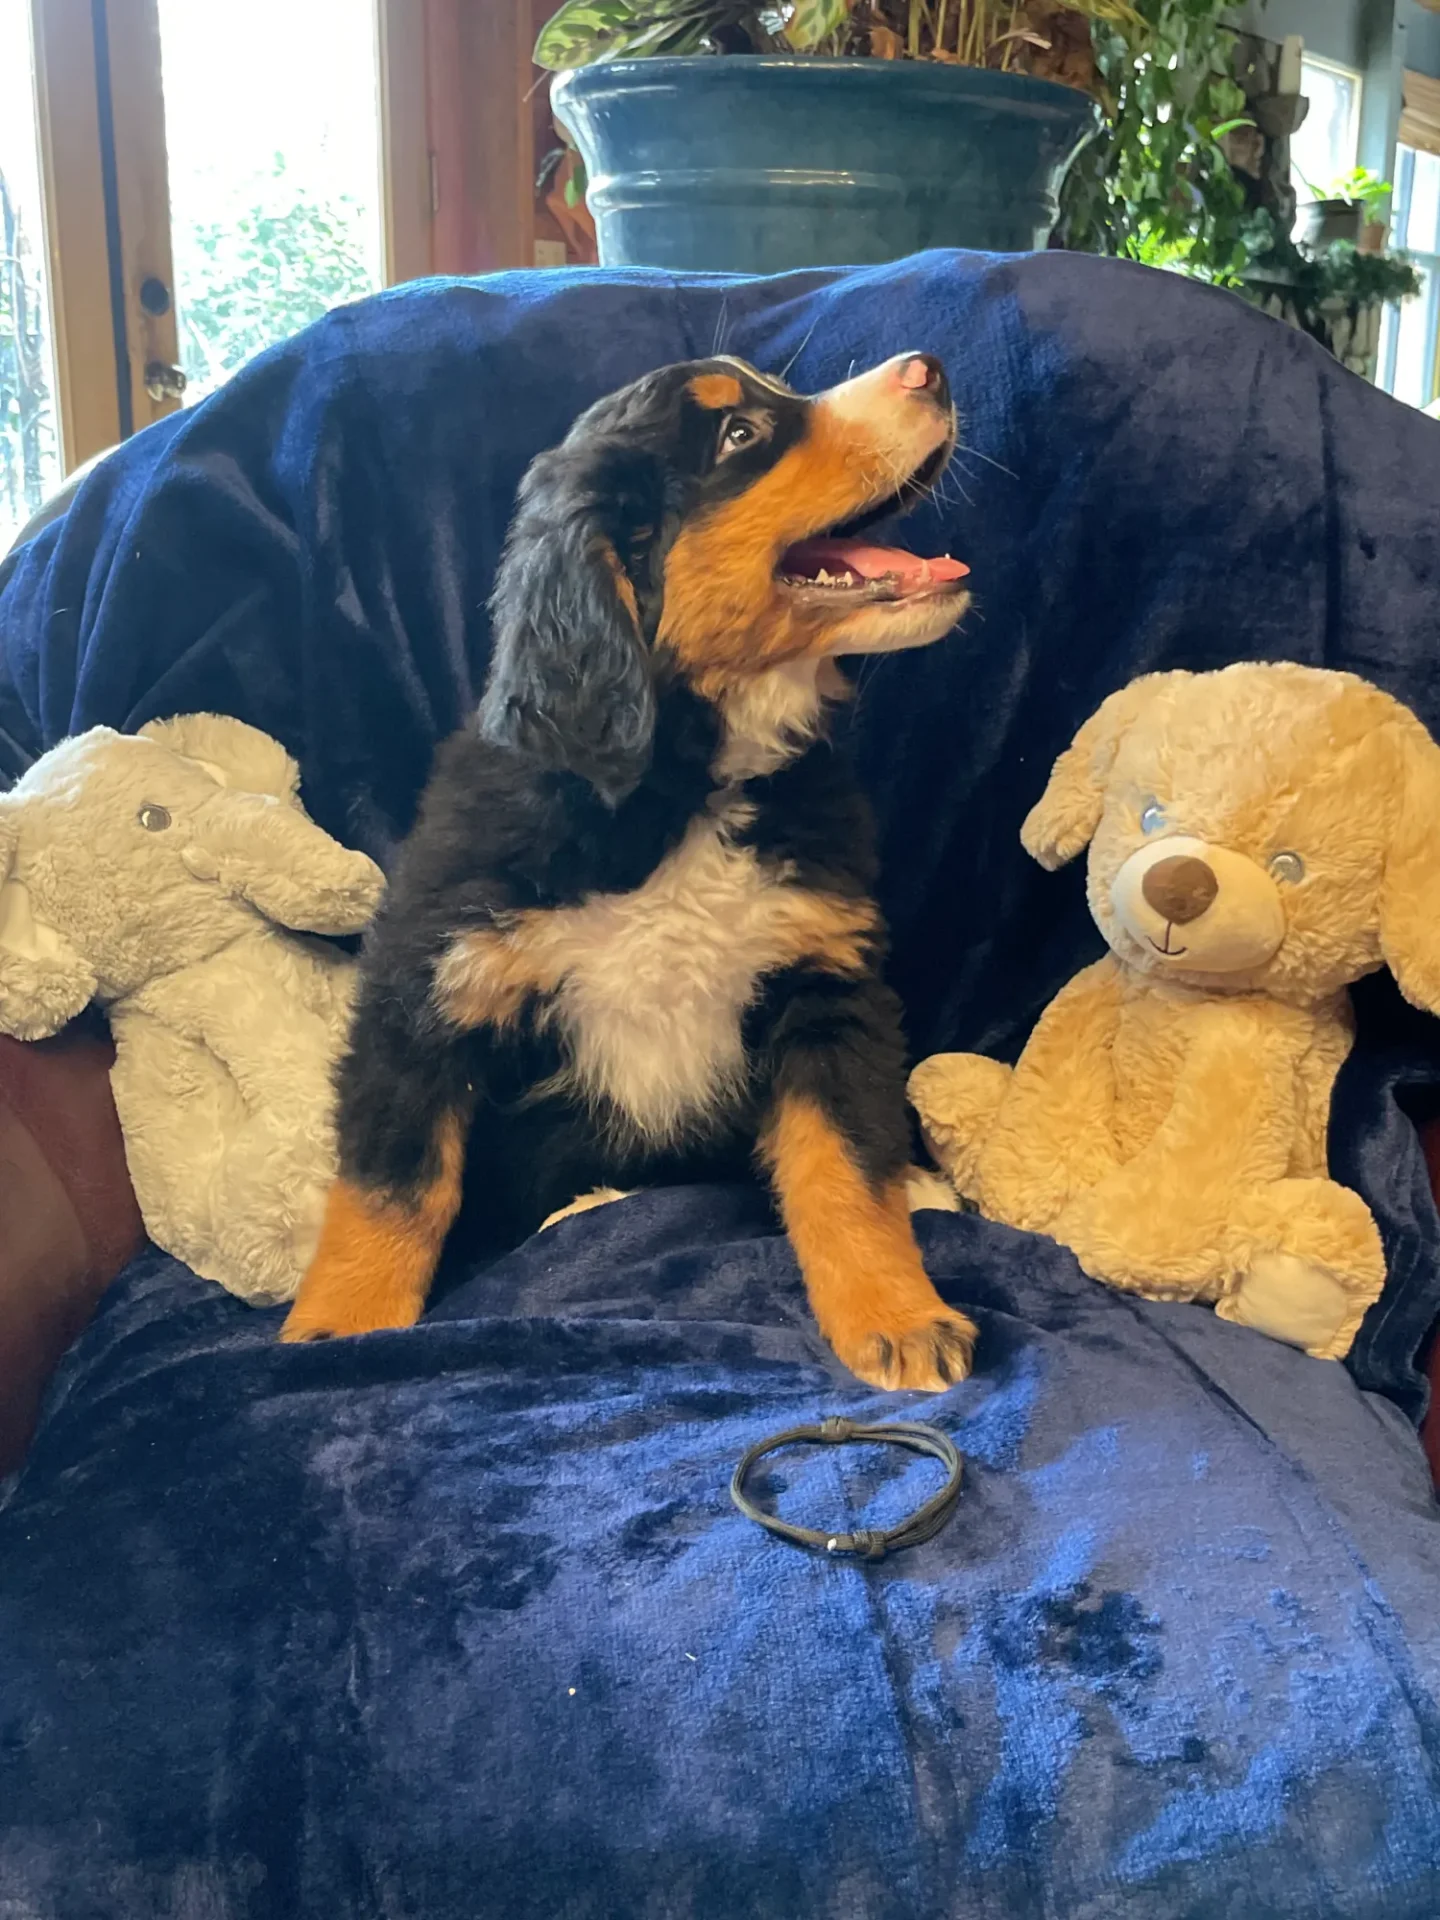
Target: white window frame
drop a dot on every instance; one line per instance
(1312, 61)
(1429, 263)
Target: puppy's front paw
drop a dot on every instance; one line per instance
(926, 1357)
(335, 1302)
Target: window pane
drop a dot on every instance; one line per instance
(272, 126)
(1422, 223)
(1412, 365)
(1326, 144)
(30, 458)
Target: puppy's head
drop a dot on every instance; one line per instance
(1266, 828)
(708, 523)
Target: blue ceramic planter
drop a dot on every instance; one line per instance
(757, 165)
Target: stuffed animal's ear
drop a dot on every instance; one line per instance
(571, 679)
(232, 753)
(1064, 818)
(1410, 890)
(44, 982)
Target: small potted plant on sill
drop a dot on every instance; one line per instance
(828, 131)
(1350, 211)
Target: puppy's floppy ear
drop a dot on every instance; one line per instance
(1064, 818)
(1410, 889)
(572, 677)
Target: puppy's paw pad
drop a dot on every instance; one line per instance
(925, 1359)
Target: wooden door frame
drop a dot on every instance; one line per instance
(407, 179)
(128, 50)
(76, 243)
(481, 127)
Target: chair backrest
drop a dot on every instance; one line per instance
(57, 504)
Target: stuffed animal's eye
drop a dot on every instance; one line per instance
(1288, 867)
(154, 819)
(1152, 817)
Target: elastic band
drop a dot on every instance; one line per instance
(869, 1543)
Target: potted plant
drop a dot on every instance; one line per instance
(1182, 100)
(1335, 293)
(854, 131)
(1348, 210)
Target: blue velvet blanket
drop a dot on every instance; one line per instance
(459, 1622)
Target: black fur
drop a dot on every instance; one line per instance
(588, 759)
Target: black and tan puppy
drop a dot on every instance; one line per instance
(631, 938)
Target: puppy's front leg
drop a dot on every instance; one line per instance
(837, 1146)
(403, 1119)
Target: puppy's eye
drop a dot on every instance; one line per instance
(1288, 867)
(153, 818)
(735, 434)
(1153, 817)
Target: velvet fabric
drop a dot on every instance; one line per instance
(459, 1621)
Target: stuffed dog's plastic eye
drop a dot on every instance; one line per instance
(154, 819)
(1288, 867)
(1152, 817)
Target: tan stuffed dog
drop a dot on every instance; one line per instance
(1259, 838)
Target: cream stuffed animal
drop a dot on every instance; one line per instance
(1259, 838)
(156, 873)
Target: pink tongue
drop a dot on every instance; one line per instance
(871, 563)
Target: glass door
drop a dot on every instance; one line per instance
(30, 445)
(273, 155)
(182, 184)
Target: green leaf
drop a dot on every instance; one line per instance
(584, 31)
(815, 20)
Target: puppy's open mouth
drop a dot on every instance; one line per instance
(845, 566)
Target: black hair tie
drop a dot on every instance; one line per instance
(869, 1543)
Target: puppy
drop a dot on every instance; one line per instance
(631, 939)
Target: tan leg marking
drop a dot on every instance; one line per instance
(867, 1284)
(377, 1256)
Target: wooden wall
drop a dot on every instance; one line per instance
(489, 129)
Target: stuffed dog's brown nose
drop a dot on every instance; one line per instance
(1180, 888)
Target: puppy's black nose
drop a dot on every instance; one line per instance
(923, 373)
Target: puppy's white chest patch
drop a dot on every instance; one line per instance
(657, 982)
(648, 990)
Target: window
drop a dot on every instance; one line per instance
(1327, 144)
(30, 453)
(186, 181)
(275, 210)
(183, 183)
(1408, 333)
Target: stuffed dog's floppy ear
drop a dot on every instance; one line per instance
(1064, 818)
(1410, 890)
(572, 678)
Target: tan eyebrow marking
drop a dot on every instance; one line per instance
(766, 380)
(717, 390)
